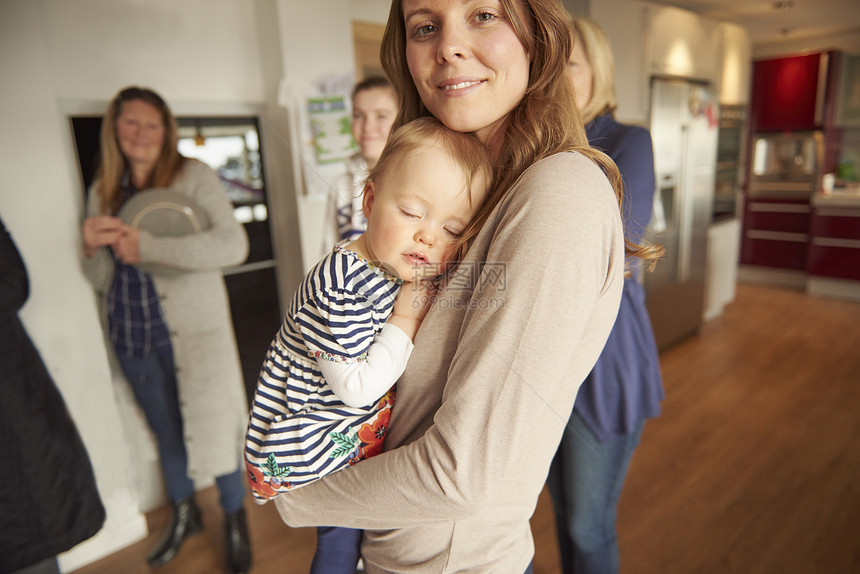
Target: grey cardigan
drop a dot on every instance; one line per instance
(197, 311)
(489, 387)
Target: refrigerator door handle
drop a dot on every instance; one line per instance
(658, 217)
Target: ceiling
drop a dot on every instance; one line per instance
(778, 21)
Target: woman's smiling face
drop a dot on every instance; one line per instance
(140, 132)
(468, 65)
(373, 114)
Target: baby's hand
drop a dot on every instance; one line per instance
(414, 298)
(412, 304)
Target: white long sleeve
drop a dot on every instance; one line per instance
(361, 383)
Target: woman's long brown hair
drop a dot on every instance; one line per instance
(545, 122)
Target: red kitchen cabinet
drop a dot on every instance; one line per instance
(789, 93)
(834, 250)
(776, 233)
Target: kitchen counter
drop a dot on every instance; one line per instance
(839, 197)
(833, 262)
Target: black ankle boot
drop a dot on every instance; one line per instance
(238, 543)
(184, 522)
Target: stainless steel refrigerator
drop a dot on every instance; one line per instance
(684, 122)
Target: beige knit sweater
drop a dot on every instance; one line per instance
(488, 389)
(197, 311)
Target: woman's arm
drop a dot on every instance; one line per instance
(557, 241)
(223, 244)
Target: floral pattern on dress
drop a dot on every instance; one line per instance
(336, 357)
(268, 480)
(372, 434)
(259, 486)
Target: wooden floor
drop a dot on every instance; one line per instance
(753, 467)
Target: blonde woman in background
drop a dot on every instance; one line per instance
(625, 386)
(169, 328)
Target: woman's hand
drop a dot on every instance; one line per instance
(100, 231)
(412, 303)
(127, 245)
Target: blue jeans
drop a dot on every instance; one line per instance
(338, 550)
(585, 481)
(153, 381)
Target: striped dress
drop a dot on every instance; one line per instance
(299, 431)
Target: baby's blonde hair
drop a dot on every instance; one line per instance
(464, 148)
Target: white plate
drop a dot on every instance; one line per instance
(164, 212)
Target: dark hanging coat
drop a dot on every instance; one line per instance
(48, 496)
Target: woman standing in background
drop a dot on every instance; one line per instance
(170, 327)
(625, 386)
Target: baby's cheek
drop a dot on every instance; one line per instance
(389, 235)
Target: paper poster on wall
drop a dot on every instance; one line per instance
(331, 129)
(321, 141)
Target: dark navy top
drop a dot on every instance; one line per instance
(625, 385)
(136, 324)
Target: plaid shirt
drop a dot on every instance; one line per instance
(135, 321)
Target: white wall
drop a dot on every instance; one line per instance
(624, 22)
(194, 50)
(375, 11)
(644, 37)
(318, 58)
(735, 65)
(681, 43)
